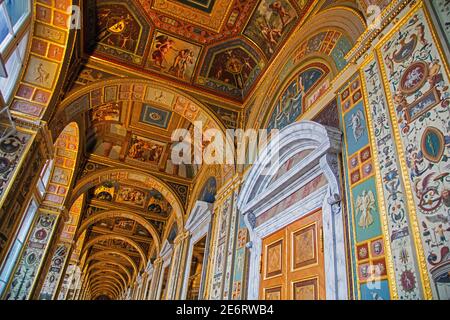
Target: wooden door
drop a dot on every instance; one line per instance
(292, 262)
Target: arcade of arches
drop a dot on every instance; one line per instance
(94, 203)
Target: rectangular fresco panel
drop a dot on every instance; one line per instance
(356, 127)
(366, 212)
(270, 24)
(174, 57)
(155, 117)
(145, 150)
(131, 196)
(11, 151)
(41, 72)
(394, 194)
(109, 112)
(31, 258)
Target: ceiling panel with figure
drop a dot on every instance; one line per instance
(217, 47)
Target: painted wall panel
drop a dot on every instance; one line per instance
(417, 82)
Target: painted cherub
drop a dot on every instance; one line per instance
(163, 45)
(364, 205)
(356, 124)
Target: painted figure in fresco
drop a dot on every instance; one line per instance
(364, 205)
(41, 74)
(124, 224)
(356, 124)
(233, 67)
(414, 77)
(440, 232)
(163, 45)
(107, 112)
(427, 190)
(184, 58)
(279, 10)
(420, 29)
(272, 35)
(145, 150)
(117, 30)
(416, 162)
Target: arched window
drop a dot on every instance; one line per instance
(15, 18)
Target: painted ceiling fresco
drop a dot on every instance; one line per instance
(217, 46)
(114, 233)
(148, 202)
(135, 135)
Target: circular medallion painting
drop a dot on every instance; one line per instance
(46, 221)
(233, 65)
(433, 144)
(31, 259)
(155, 116)
(41, 234)
(414, 77)
(10, 145)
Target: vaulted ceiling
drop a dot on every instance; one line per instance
(141, 70)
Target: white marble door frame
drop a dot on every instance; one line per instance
(259, 194)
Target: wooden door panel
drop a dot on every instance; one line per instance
(306, 290)
(304, 247)
(274, 267)
(275, 293)
(292, 262)
(306, 274)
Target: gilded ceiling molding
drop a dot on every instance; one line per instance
(213, 21)
(131, 242)
(98, 292)
(139, 178)
(105, 285)
(110, 273)
(120, 214)
(103, 292)
(136, 90)
(105, 254)
(51, 43)
(107, 279)
(107, 265)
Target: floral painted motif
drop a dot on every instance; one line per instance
(419, 88)
(31, 259)
(394, 194)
